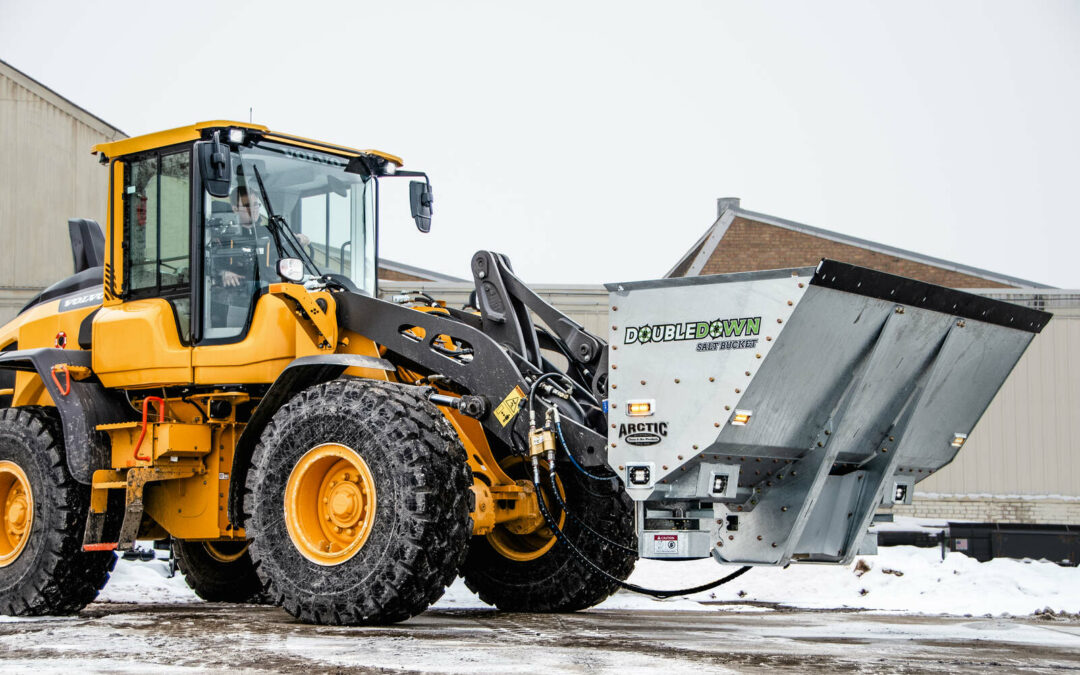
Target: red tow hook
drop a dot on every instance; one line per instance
(145, 408)
(65, 388)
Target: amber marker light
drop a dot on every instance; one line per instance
(741, 418)
(958, 440)
(639, 408)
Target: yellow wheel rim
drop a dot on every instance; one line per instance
(225, 551)
(533, 545)
(16, 511)
(330, 504)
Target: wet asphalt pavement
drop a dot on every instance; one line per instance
(205, 637)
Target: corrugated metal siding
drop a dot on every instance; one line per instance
(1028, 441)
(47, 175)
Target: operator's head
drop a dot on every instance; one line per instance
(246, 204)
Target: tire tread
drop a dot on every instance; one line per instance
(65, 578)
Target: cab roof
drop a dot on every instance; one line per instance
(161, 139)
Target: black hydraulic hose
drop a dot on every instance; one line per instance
(584, 391)
(561, 536)
(536, 385)
(198, 407)
(558, 427)
(573, 460)
(571, 516)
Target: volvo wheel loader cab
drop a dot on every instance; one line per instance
(219, 371)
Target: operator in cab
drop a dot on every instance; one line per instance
(251, 240)
(244, 257)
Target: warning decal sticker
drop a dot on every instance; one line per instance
(510, 406)
(665, 543)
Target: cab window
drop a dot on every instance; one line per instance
(157, 207)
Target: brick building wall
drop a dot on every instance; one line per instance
(394, 275)
(1037, 509)
(749, 245)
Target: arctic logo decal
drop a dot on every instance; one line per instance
(693, 330)
(643, 433)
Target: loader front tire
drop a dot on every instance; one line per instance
(43, 569)
(357, 503)
(219, 571)
(527, 574)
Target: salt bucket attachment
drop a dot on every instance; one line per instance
(762, 417)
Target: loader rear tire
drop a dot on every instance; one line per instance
(43, 569)
(556, 580)
(357, 502)
(219, 571)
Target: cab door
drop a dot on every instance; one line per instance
(142, 338)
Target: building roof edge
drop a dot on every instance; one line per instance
(887, 250)
(430, 275)
(49, 92)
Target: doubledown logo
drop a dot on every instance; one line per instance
(693, 330)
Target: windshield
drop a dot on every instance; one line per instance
(284, 201)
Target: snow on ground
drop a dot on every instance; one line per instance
(136, 581)
(901, 579)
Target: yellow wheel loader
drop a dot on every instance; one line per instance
(220, 373)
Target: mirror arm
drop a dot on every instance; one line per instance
(217, 158)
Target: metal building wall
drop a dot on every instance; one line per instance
(1028, 441)
(47, 175)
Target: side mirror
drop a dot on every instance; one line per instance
(215, 165)
(420, 201)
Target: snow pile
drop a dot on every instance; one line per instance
(900, 579)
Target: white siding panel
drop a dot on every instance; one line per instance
(47, 175)
(1028, 441)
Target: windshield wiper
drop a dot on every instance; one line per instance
(277, 224)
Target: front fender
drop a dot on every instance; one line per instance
(85, 406)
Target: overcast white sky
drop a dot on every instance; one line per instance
(590, 140)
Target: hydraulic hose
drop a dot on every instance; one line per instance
(561, 536)
(536, 385)
(558, 427)
(583, 524)
(573, 460)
